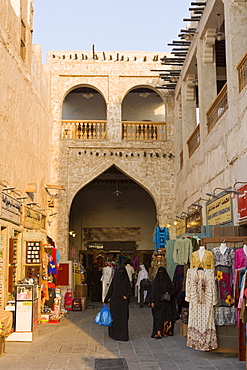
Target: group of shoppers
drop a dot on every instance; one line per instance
(118, 295)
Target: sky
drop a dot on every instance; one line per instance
(109, 25)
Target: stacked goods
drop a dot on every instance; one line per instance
(77, 305)
(81, 293)
(68, 300)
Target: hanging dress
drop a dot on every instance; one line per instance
(225, 312)
(201, 295)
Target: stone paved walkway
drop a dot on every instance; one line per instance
(77, 341)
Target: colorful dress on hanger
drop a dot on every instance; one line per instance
(207, 261)
(182, 251)
(225, 312)
(161, 235)
(201, 295)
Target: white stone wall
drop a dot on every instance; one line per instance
(25, 115)
(220, 159)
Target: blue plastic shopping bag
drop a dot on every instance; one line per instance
(104, 317)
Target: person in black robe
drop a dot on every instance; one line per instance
(95, 282)
(119, 294)
(164, 313)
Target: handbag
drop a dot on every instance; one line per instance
(104, 317)
(166, 297)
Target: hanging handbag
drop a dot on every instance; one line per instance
(166, 297)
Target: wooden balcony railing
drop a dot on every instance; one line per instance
(242, 72)
(83, 129)
(143, 130)
(218, 108)
(194, 140)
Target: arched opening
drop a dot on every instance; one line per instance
(112, 216)
(143, 115)
(84, 103)
(84, 114)
(143, 104)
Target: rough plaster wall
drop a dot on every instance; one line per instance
(26, 120)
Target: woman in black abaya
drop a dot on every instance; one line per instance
(164, 313)
(119, 294)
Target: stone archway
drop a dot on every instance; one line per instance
(112, 208)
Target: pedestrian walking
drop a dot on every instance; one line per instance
(106, 278)
(119, 294)
(131, 272)
(164, 312)
(144, 286)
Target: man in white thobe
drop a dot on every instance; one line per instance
(107, 275)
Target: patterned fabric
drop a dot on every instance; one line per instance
(207, 261)
(157, 261)
(167, 329)
(225, 312)
(161, 235)
(201, 295)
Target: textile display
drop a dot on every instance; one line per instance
(158, 260)
(170, 264)
(182, 251)
(225, 313)
(201, 295)
(207, 261)
(161, 235)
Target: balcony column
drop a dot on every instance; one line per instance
(236, 44)
(206, 75)
(188, 112)
(178, 143)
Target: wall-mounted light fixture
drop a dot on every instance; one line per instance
(21, 199)
(31, 204)
(233, 191)
(8, 189)
(72, 233)
(197, 205)
(4, 183)
(213, 194)
(53, 194)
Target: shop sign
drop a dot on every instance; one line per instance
(219, 211)
(10, 208)
(242, 203)
(193, 222)
(181, 227)
(31, 218)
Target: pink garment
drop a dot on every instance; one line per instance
(240, 259)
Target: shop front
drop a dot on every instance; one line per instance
(221, 241)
